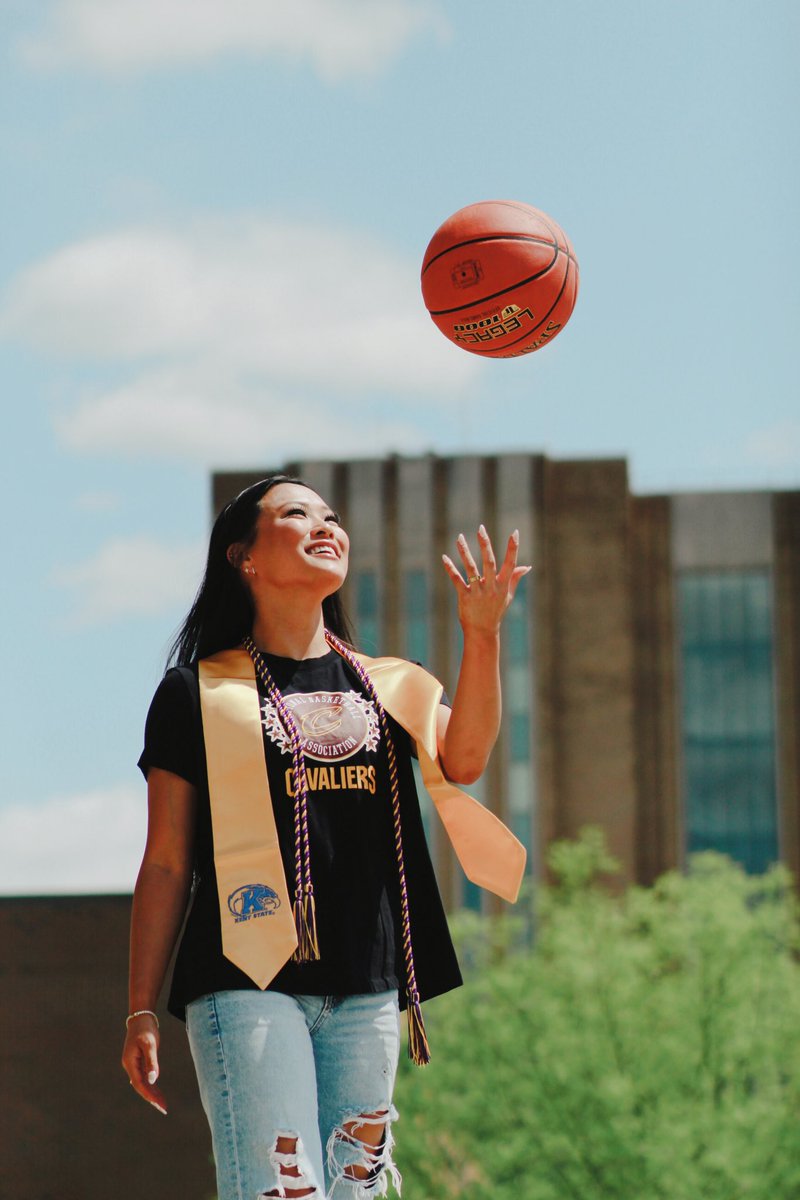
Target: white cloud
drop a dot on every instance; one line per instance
(133, 576)
(339, 38)
(776, 447)
(212, 419)
(291, 301)
(238, 337)
(112, 297)
(85, 843)
(97, 502)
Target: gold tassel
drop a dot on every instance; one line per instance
(310, 915)
(418, 1049)
(305, 921)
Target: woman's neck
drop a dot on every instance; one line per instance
(291, 632)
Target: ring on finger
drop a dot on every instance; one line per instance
(474, 579)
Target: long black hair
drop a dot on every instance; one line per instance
(222, 613)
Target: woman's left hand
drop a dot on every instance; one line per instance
(485, 595)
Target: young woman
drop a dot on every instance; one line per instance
(281, 796)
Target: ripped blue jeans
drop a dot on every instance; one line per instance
(298, 1092)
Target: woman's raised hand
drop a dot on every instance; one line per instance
(485, 594)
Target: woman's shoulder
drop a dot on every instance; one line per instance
(410, 669)
(178, 688)
(172, 729)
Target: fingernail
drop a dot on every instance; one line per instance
(158, 1108)
(515, 535)
(482, 530)
(152, 1076)
(461, 538)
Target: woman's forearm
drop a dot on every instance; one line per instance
(475, 716)
(159, 905)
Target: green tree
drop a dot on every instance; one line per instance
(646, 1048)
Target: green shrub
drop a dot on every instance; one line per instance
(646, 1049)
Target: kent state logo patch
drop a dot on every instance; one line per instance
(253, 900)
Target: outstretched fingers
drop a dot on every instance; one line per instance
(473, 574)
(485, 594)
(517, 574)
(507, 577)
(454, 573)
(470, 566)
(486, 573)
(509, 565)
(487, 554)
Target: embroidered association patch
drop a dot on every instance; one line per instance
(332, 725)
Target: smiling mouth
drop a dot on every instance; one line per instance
(323, 551)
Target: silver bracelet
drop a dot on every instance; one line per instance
(142, 1012)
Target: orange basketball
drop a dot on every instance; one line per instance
(500, 278)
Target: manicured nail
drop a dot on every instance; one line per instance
(158, 1108)
(461, 538)
(482, 530)
(515, 535)
(152, 1076)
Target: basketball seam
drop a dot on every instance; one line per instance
(523, 336)
(498, 237)
(518, 283)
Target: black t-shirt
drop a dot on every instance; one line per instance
(353, 857)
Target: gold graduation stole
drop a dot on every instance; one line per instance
(258, 930)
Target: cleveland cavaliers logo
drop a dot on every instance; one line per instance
(332, 725)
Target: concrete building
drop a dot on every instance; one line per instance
(651, 660)
(651, 670)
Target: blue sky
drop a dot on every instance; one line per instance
(214, 217)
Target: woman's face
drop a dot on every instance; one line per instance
(299, 542)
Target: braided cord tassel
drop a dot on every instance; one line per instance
(418, 1048)
(303, 907)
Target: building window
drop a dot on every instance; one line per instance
(519, 736)
(727, 714)
(367, 623)
(416, 616)
(414, 621)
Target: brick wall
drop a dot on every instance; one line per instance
(71, 1127)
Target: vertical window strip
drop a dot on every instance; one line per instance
(367, 616)
(727, 714)
(417, 616)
